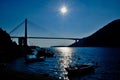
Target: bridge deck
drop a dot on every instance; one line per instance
(48, 38)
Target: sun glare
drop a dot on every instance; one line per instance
(63, 10)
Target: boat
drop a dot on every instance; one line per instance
(38, 59)
(35, 56)
(80, 69)
(45, 52)
(49, 53)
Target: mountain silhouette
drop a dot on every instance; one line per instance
(9, 50)
(109, 36)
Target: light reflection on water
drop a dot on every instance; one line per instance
(66, 56)
(65, 59)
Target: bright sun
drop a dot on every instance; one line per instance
(63, 9)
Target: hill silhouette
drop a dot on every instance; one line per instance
(9, 50)
(109, 36)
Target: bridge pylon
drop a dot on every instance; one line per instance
(25, 40)
(22, 41)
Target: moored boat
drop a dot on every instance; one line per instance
(35, 56)
(38, 59)
(80, 69)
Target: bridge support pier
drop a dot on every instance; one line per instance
(22, 41)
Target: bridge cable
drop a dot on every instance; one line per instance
(34, 24)
(16, 27)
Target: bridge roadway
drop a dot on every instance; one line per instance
(49, 38)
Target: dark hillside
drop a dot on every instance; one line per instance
(9, 50)
(109, 35)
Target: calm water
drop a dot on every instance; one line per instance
(108, 60)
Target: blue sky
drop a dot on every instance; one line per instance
(83, 18)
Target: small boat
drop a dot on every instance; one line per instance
(35, 56)
(38, 59)
(80, 69)
(45, 52)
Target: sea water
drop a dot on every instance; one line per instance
(108, 60)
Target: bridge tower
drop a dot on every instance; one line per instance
(23, 40)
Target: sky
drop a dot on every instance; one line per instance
(84, 17)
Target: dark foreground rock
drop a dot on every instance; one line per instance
(9, 50)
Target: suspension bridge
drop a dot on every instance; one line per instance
(23, 40)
